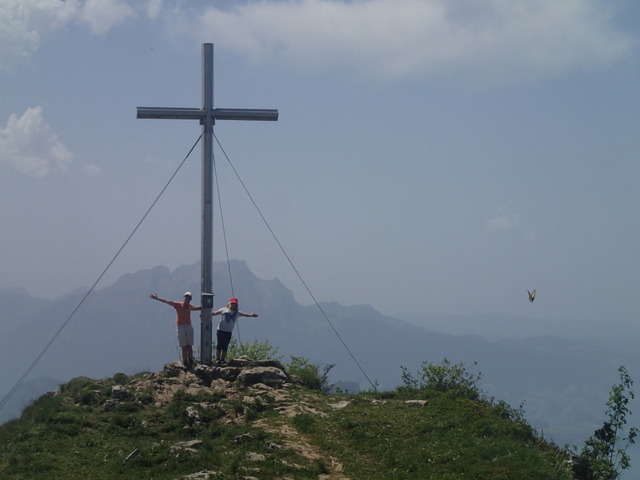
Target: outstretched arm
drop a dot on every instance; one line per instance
(154, 296)
(242, 314)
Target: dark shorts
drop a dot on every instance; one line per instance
(223, 340)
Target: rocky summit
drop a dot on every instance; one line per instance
(242, 386)
(262, 420)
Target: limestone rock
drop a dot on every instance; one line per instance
(272, 376)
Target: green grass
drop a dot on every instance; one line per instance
(450, 438)
(81, 433)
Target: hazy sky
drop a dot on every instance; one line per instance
(430, 155)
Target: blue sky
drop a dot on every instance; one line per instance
(430, 156)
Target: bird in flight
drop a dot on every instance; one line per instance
(532, 295)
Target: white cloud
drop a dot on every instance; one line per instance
(28, 145)
(24, 23)
(103, 15)
(492, 39)
(399, 38)
(504, 220)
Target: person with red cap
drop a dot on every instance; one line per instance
(229, 315)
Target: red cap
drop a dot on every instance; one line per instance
(233, 300)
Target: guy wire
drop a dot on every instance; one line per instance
(293, 266)
(224, 236)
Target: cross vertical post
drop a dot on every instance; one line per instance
(206, 261)
(207, 116)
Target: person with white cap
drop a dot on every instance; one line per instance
(183, 321)
(230, 315)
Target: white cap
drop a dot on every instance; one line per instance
(187, 294)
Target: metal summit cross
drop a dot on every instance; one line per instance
(207, 116)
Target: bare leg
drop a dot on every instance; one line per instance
(190, 354)
(187, 356)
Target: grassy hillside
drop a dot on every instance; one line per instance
(217, 422)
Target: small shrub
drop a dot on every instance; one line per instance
(606, 449)
(76, 384)
(120, 378)
(253, 350)
(146, 398)
(82, 390)
(89, 397)
(446, 377)
(506, 411)
(310, 375)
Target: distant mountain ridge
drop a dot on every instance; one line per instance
(500, 326)
(562, 382)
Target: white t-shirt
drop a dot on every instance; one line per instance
(227, 319)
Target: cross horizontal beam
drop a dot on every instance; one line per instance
(216, 113)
